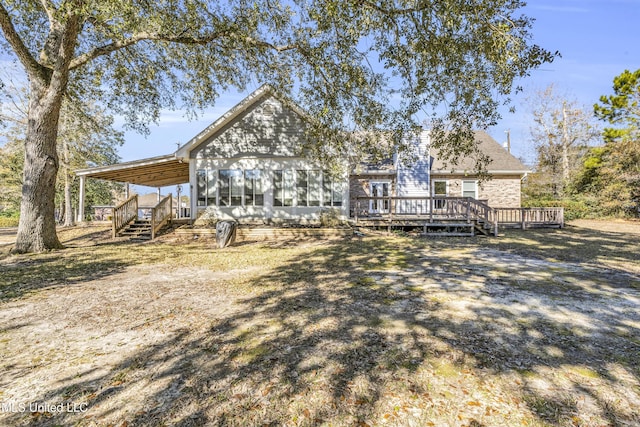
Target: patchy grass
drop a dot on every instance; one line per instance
(535, 328)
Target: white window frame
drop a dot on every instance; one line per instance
(332, 190)
(440, 204)
(379, 206)
(475, 187)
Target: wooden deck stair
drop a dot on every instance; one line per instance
(140, 229)
(127, 223)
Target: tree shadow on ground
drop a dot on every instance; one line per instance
(26, 274)
(574, 244)
(362, 332)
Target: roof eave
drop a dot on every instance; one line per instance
(489, 172)
(135, 163)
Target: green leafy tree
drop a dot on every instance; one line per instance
(86, 134)
(354, 64)
(612, 172)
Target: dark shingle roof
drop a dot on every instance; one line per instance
(501, 160)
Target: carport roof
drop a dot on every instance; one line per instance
(153, 172)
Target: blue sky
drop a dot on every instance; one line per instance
(598, 39)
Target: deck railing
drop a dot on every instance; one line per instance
(161, 214)
(124, 213)
(427, 209)
(530, 217)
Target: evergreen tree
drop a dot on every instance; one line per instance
(612, 172)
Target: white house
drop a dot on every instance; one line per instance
(250, 165)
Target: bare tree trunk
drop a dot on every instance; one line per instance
(61, 211)
(565, 147)
(68, 207)
(37, 227)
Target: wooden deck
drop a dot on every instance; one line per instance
(448, 215)
(530, 217)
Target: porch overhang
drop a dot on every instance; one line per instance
(153, 172)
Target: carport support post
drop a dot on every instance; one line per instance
(81, 199)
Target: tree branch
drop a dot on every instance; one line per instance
(33, 67)
(49, 8)
(393, 11)
(136, 38)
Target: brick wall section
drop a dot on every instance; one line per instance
(500, 191)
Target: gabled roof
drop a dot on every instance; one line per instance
(173, 169)
(502, 162)
(248, 102)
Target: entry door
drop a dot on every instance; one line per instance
(379, 189)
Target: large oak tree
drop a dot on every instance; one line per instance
(354, 64)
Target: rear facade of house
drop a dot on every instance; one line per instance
(250, 166)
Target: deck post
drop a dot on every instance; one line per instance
(114, 234)
(153, 223)
(81, 199)
(390, 212)
(430, 209)
(468, 208)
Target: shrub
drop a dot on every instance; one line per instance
(330, 218)
(9, 221)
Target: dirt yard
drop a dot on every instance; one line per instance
(534, 328)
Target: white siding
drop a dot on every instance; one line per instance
(413, 179)
(266, 129)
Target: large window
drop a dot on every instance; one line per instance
(201, 187)
(470, 189)
(211, 188)
(283, 188)
(332, 191)
(253, 191)
(302, 188)
(230, 187)
(308, 187)
(314, 181)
